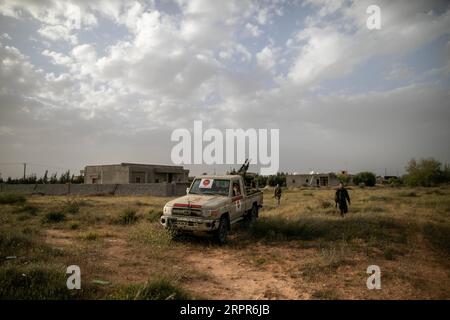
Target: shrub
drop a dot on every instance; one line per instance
(367, 178)
(128, 216)
(74, 226)
(12, 199)
(54, 217)
(71, 206)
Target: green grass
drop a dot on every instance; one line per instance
(367, 228)
(154, 215)
(159, 288)
(38, 282)
(151, 234)
(439, 236)
(12, 199)
(13, 241)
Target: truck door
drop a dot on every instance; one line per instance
(237, 205)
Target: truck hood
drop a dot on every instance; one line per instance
(205, 201)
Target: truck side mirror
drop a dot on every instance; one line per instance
(187, 190)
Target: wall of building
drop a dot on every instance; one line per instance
(304, 180)
(152, 189)
(134, 173)
(107, 174)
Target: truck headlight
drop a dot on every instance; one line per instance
(167, 210)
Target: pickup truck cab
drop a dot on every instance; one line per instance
(213, 204)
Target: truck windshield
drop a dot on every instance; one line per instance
(210, 186)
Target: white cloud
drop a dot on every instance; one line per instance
(266, 59)
(57, 57)
(329, 51)
(85, 53)
(58, 33)
(252, 30)
(5, 36)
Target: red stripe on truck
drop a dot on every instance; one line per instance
(196, 206)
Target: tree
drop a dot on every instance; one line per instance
(54, 178)
(426, 173)
(344, 178)
(367, 178)
(65, 177)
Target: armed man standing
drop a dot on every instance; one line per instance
(341, 199)
(277, 194)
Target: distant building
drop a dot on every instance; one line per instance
(312, 180)
(134, 173)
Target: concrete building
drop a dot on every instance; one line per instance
(134, 173)
(312, 180)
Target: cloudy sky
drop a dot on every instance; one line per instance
(93, 82)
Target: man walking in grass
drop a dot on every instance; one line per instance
(341, 199)
(277, 194)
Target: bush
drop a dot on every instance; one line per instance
(128, 216)
(71, 206)
(366, 178)
(12, 199)
(54, 217)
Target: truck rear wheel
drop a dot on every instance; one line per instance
(222, 231)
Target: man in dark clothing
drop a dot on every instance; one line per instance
(277, 194)
(341, 199)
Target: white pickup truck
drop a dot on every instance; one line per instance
(213, 204)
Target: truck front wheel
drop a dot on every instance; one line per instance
(222, 230)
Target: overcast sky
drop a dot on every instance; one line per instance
(94, 82)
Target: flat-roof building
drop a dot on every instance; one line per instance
(124, 173)
(312, 180)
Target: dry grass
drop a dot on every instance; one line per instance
(302, 249)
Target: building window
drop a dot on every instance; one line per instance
(94, 180)
(293, 180)
(307, 180)
(157, 180)
(138, 179)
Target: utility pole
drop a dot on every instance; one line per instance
(24, 170)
